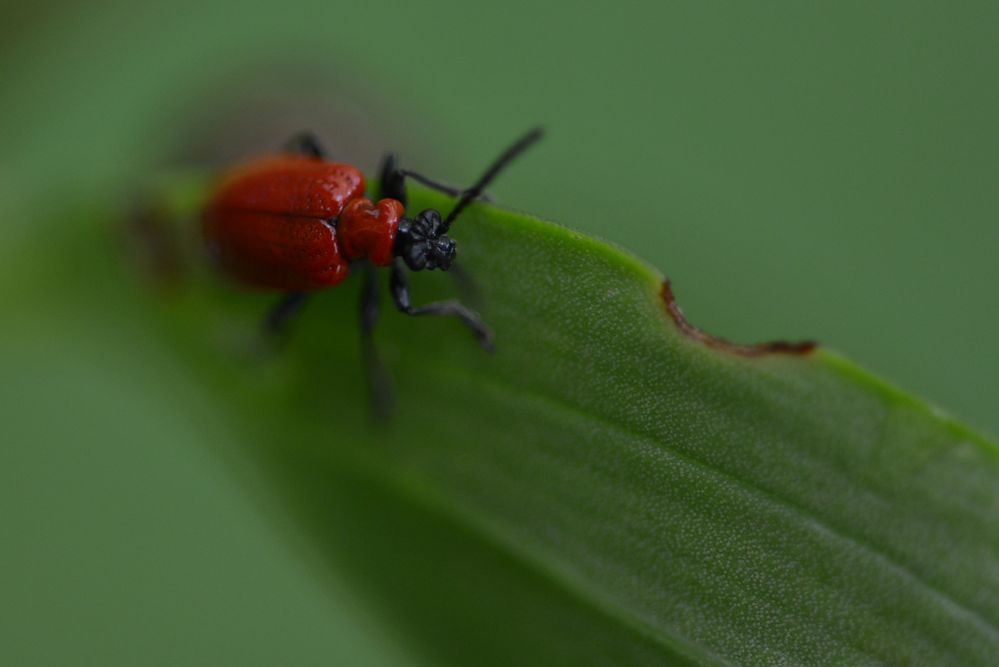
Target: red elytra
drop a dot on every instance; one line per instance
(296, 222)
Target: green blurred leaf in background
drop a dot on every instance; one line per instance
(799, 171)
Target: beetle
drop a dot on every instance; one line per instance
(299, 223)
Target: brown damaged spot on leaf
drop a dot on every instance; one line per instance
(775, 347)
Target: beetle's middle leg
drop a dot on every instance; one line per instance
(379, 383)
(306, 143)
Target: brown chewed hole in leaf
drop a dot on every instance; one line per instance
(755, 350)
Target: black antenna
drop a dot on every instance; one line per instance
(472, 193)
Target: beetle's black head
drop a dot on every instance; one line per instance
(423, 244)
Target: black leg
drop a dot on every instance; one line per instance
(379, 384)
(306, 143)
(452, 307)
(283, 312)
(437, 185)
(393, 182)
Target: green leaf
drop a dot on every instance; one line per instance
(606, 487)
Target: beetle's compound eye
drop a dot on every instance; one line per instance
(428, 224)
(415, 256)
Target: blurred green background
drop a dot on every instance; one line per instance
(821, 171)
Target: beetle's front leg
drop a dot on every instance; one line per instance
(399, 284)
(392, 182)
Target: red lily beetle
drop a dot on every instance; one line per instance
(298, 223)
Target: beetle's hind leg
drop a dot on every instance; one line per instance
(283, 312)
